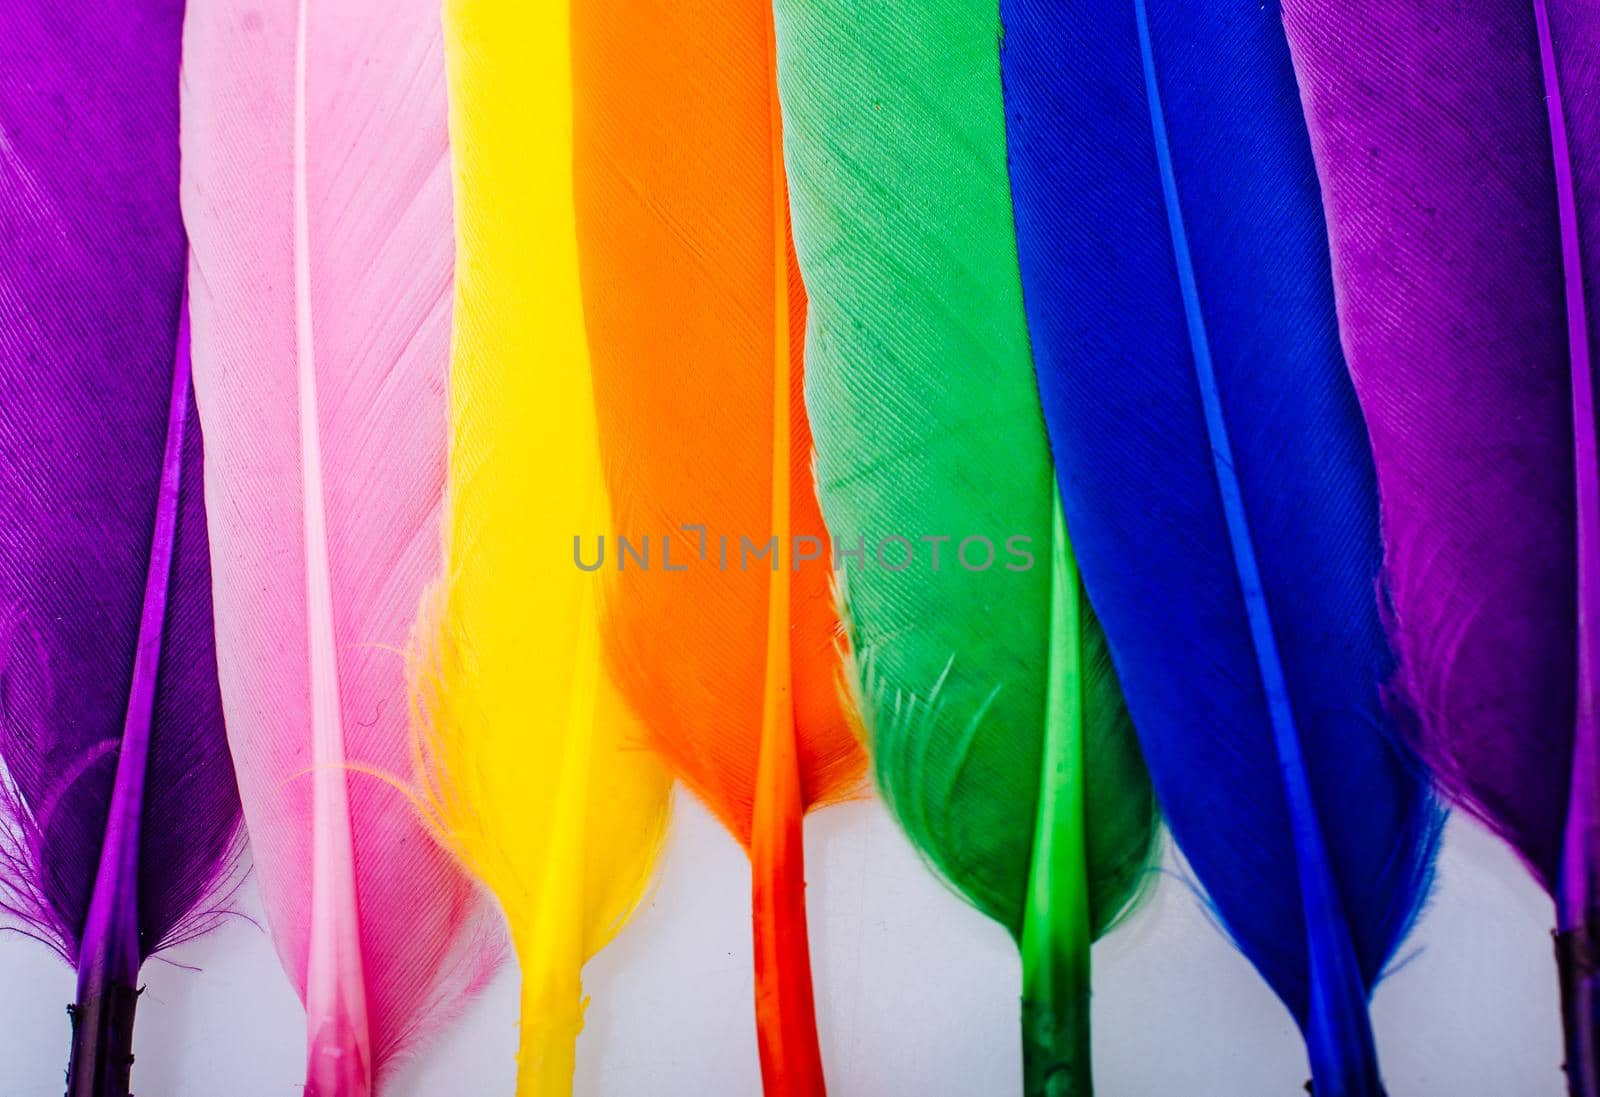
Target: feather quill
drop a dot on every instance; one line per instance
(730, 661)
(998, 734)
(317, 193)
(119, 802)
(1459, 153)
(530, 762)
(1216, 480)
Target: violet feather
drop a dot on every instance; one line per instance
(1458, 147)
(119, 803)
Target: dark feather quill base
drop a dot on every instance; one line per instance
(1311, 1088)
(102, 1042)
(1578, 968)
(1055, 1050)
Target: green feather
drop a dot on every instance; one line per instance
(978, 688)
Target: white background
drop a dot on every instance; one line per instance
(916, 994)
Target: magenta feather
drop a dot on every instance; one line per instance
(317, 193)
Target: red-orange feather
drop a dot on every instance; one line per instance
(696, 321)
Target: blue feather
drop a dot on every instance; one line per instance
(1216, 479)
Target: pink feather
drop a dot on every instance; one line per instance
(316, 191)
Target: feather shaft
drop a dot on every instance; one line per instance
(338, 1046)
(552, 992)
(1056, 928)
(786, 1029)
(791, 1058)
(110, 955)
(1577, 887)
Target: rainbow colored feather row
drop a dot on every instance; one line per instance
(1251, 348)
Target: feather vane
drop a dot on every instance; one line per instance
(119, 802)
(1459, 155)
(316, 189)
(997, 731)
(532, 765)
(1216, 482)
(687, 265)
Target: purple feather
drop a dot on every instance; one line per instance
(119, 799)
(1458, 146)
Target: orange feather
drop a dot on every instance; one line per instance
(696, 321)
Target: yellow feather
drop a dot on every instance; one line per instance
(526, 751)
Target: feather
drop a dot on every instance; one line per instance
(683, 234)
(530, 761)
(998, 734)
(1459, 153)
(119, 806)
(317, 193)
(1216, 480)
